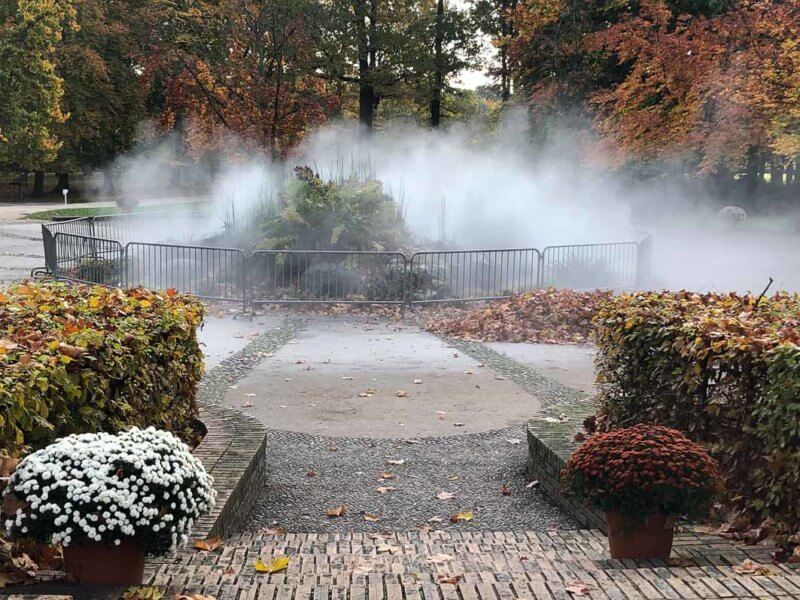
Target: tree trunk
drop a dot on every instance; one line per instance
(276, 111)
(61, 184)
(366, 87)
(438, 66)
(751, 176)
(38, 184)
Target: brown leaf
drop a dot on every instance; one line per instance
(311, 473)
(71, 351)
(401, 394)
(451, 580)
(371, 518)
(466, 515)
(578, 588)
(504, 490)
(336, 512)
(385, 490)
(749, 567)
(208, 544)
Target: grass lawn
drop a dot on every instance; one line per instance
(99, 211)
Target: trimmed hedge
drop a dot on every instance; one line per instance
(76, 359)
(725, 369)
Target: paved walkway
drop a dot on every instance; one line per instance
(20, 249)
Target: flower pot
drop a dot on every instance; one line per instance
(97, 563)
(628, 538)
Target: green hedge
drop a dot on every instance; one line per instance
(723, 368)
(79, 359)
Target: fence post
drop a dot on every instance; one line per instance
(247, 281)
(540, 268)
(644, 261)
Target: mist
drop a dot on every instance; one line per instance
(492, 191)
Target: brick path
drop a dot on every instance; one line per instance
(486, 566)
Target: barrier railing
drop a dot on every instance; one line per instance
(74, 251)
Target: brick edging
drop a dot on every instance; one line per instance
(234, 453)
(550, 444)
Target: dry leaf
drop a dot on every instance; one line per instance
(401, 394)
(462, 516)
(749, 567)
(441, 414)
(311, 473)
(395, 461)
(371, 518)
(445, 495)
(451, 580)
(208, 544)
(532, 484)
(278, 563)
(336, 512)
(417, 381)
(514, 441)
(578, 588)
(439, 558)
(385, 490)
(504, 489)
(435, 520)
(387, 475)
(347, 378)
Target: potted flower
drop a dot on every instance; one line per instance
(644, 478)
(109, 500)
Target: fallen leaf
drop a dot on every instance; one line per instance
(336, 512)
(412, 441)
(749, 567)
(208, 544)
(435, 520)
(278, 563)
(504, 490)
(445, 495)
(514, 441)
(578, 588)
(680, 561)
(438, 558)
(251, 395)
(499, 378)
(579, 437)
(371, 518)
(347, 378)
(311, 473)
(469, 372)
(441, 414)
(247, 405)
(401, 394)
(462, 516)
(384, 490)
(388, 475)
(453, 477)
(417, 381)
(395, 461)
(451, 580)
(532, 484)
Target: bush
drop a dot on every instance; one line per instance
(723, 369)
(76, 359)
(140, 485)
(643, 471)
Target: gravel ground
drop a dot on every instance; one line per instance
(348, 472)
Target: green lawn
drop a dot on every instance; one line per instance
(98, 211)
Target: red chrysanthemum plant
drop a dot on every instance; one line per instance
(643, 471)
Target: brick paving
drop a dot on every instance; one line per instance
(446, 565)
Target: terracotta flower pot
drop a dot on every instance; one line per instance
(630, 539)
(97, 563)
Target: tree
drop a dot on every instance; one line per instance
(30, 103)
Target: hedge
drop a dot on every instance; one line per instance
(723, 369)
(77, 359)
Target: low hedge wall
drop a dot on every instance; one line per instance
(82, 359)
(725, 369)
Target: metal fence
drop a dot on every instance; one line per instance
(76, 250)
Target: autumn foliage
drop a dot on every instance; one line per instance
(555, 316)
(643, 471)
(722, 368)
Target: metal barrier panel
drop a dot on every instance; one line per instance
(306, 276)
(590, 266)
(88, 259)
(80, 226)
(206, 272)
(472, 274)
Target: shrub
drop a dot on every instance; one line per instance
(143, 485)
(643, 471)
(76, 358)
(723, 369)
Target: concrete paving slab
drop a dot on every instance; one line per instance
(569, 365)
(222, 336)
(341, 377)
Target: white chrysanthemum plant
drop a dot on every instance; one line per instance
(139, 485)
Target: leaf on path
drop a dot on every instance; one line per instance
(311, 473)
(499, 378)
(247, 405)
(445, 495)
(514, 441)
(412, 441)
(439, 558)
(347, 378)
(401, 394)
(578, 588)
(461, 517)
(336, 512)
(250, 395)
(385, 490)
(143, 593)
(458, 424)
(505, 490)
(451, 580)
(749, 567)
(278, 563)
(453, 477)
(272, 531)
(208, 544)
(371, 518)
(680, 561)
(469, 372)
(395, 461)
(435, 520)
(417, 381)
(532, 484)
(332, 447)
(388, 475)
